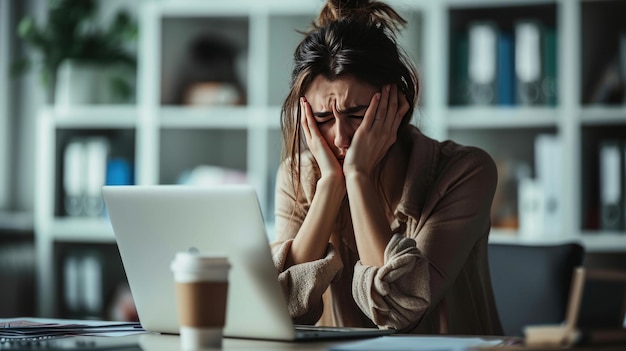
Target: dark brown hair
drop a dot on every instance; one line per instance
(350, 37)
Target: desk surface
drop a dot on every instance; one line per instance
(158, 342)
(145, 341)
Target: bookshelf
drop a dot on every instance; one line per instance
(164, 137)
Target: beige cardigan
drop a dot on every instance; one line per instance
(436, 275)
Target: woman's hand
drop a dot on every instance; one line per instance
(326, 160)
(378, 131)
(311, 241)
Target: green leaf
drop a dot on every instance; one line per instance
(26, 27)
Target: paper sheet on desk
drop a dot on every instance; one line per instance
(416, 343)
(42, 328)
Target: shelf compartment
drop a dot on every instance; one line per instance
(89, 277)
(192, 71)
(118, 157)
(603, 31)
(497, 81)
(513, 151)
(592, 138)
(182, 150)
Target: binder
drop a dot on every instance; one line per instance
(506, 71)
(482, 62)
(83, 283)
(97, 150)
(530, 206)
(84, 174)
(119, 171)
(71, 283)
(612, 163)
(549, 174)
(74, 159)
(550, 54)
(624, 191)
(91, 280)
(459, 89)
(622, 63)
(528, 62)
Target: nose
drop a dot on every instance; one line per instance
(344, 132)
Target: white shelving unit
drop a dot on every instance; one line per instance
(50, 226)
(169, 138)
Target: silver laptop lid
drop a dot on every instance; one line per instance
(152, 223)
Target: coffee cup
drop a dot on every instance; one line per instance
(201, 291)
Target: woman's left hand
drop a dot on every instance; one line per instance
(378, 131)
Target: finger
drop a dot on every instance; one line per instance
(313, 129)
(370, 113)
(311, 122)
(392, 108)
(381, 111)
(402, 109)
(304, 121)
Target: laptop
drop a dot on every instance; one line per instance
(152, 223)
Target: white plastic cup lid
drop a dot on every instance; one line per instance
(194, 261)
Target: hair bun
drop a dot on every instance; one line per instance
(368, 11)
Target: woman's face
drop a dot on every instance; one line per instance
(339, 107)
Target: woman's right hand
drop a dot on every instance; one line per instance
(326, 160)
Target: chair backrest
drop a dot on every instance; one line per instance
(531, 283)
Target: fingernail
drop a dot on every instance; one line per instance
(388, 87)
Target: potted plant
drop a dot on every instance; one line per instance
(72, 34)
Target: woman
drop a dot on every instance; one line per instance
(376, 224)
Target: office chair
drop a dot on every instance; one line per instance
(531, 283)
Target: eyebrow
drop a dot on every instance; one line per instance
(347, 111)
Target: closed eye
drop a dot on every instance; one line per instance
(357, 117)
(321, 121)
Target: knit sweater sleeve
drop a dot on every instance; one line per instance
(396, 294)
(303, 284)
